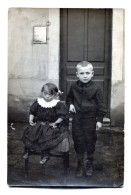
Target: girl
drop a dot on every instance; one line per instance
(47, 127)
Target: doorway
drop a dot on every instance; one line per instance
(85, 35)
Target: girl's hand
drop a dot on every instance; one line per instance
(32, 123)
(72, 108)
(31, 118)
(98, 125)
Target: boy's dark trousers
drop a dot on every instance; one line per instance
(84, 136)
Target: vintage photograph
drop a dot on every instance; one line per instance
(66, 97)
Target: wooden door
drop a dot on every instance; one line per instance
(86, 35)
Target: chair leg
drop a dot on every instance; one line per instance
(66, 161)
(26, 167)
(43, 168)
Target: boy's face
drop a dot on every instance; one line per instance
(85, 74)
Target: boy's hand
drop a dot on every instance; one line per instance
(53, 125)
(98, 125)
(72, 108)
(32, 123)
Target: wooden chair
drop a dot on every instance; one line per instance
(63, 155)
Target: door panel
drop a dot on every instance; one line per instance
(86, 35)
(96, 35)
(75, 39)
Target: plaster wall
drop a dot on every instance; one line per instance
(30, 65)
(117, 77)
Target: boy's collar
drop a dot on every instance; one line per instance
(80, 84)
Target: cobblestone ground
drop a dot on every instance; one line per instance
(108, 163)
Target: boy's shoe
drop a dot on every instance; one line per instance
(44, 160)
(89, 168)
(26, 155)
(80, 170)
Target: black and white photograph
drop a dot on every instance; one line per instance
(66, 97)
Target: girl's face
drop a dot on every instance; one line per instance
(85, 74)
(47, 95)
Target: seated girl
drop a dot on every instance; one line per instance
(47, 127)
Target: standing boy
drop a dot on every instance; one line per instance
(85, 100)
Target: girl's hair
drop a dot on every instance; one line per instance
(84, 64)
(52, 88)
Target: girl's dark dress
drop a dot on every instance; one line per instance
(42, 136)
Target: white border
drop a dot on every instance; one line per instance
(3, 88)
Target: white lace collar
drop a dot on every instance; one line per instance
(45, 104)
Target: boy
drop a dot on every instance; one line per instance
(86, 102)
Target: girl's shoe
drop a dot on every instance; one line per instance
(26, 155)
(44, 160)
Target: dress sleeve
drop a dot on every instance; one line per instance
(61, 110)
(101, 110)
(33, 108)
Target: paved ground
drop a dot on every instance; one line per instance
(108, 163)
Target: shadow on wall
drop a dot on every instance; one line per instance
(18, 109)
(17, 116)
(117, 104)
(117, 118)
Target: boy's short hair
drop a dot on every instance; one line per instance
(84, 64)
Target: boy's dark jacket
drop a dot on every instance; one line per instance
(87, 99)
